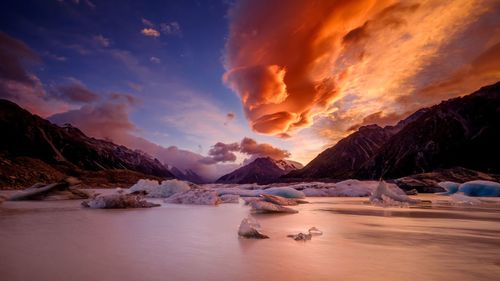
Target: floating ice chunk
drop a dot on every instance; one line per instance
(267, 207)
(480, 188)
(230, 198)
(195, 196)
(279, 200)
(383, 195)
(449, 186)
(314, 231)
(286, 192)
(250, 228)
(166, 189)
(118, 201)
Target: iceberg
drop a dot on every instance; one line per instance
(250, 228)
(386, 196)
(480, 188)
(164, 189)
(195, 196)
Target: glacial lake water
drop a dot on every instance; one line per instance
(60, 240)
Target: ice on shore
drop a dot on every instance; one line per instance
(164, 189)
(477, 188)
(250, 228)
(286, 192)
(118, 201)
(230, 198)
(195, 196)
(347, 188)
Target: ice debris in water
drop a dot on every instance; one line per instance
(313, 231)
(154, 189)
(250, 228)
(461, 199)
(387, 197)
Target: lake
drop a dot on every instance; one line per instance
(60, 240)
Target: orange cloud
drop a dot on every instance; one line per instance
(150, 32)
(334, 65)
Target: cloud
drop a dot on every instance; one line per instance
(329, 63)
(102, 41)
(155, 60)
(151, 32)
(380, 118)
(251, 147)
(222, 152)
(147, 22)
(170, 28)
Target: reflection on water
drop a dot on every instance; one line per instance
(61, 241)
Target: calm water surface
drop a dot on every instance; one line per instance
(62, 241)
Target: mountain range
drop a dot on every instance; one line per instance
(261, 170)
(32, 149)
(460, 132)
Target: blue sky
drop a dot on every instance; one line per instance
(100, 45)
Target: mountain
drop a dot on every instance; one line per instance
(187, 175)
(27, 138)
(461, 132)
(261, 170)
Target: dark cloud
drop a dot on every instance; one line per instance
(222, 152)
(14, 54)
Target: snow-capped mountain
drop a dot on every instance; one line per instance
(261, 170)
(460, 132)
(187, 175)
(47, 152)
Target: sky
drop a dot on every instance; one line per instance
(209, 85)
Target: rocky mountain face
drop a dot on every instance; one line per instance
(27, 138)
(261, 170)
(460, 132)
